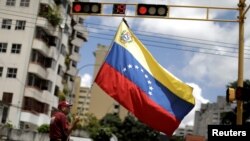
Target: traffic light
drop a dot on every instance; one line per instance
(86, 8)
(240, 93)
(243, 94)
(152, 10)
(119, 8)
(230, 95)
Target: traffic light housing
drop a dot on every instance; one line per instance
(243, 94)
(152, 10)
(119, 9)
(240, 93)
(230, 95)
(86, 8)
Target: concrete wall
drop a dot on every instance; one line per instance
(7, 134)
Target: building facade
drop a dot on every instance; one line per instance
(81, 100)
(183, 131)
(210, 114)
(39, 50)
(100, 102)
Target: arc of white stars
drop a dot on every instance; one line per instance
(150, 87)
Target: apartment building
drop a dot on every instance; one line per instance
(210, 114)
(81, 99)
(183, 131)
(39, 49)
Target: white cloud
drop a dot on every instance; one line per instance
(189, 118)
(86, 80)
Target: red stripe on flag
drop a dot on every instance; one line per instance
(135, 100)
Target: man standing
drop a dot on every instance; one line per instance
(60, 127)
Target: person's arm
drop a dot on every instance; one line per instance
(73, 124)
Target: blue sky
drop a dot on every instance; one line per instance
(194, 51)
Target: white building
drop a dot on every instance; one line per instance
(39, 51)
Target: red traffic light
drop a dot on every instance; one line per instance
(119, 8)
(152, 10)
(86, 7)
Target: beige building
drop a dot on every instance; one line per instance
(101, 103)
(39, 49)
(81, 99)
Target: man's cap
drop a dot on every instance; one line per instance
(63, 104)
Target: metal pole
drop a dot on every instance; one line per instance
(241, 58)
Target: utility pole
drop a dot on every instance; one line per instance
(241, 17)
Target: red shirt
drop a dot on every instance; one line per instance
(59, 126)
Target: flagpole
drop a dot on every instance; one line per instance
(125, 21)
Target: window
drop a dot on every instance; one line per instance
(60, 70)
(25, 3)
(38, 83)
(76, 49)
(20, 25)
(80, 20)
(3, 47)
(1, 71)
(74, 63)
(16, 48)
(4, 113)
(7, 98)
(33, 105)
(6, 24)
(10, 2)
(11, 73)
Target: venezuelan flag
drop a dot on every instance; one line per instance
(137, 81)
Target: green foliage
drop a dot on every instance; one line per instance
(102, 134)
(44, 128)
(8, 124)
(133, 130)
(67, 61)
(61, 96)
(246, 84)
(53, 15)
(128, 130)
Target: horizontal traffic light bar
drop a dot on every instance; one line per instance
(140, 10)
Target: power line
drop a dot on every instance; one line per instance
(161, 42)
(175, 48)
(153, 33)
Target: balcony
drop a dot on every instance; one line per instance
(41, 46)
(77, 42)
(75, 56)
(38, 70)
(83, 31)
(81, 35)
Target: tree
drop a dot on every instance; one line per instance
(128, 130)
(113, 122)
(134, 130)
